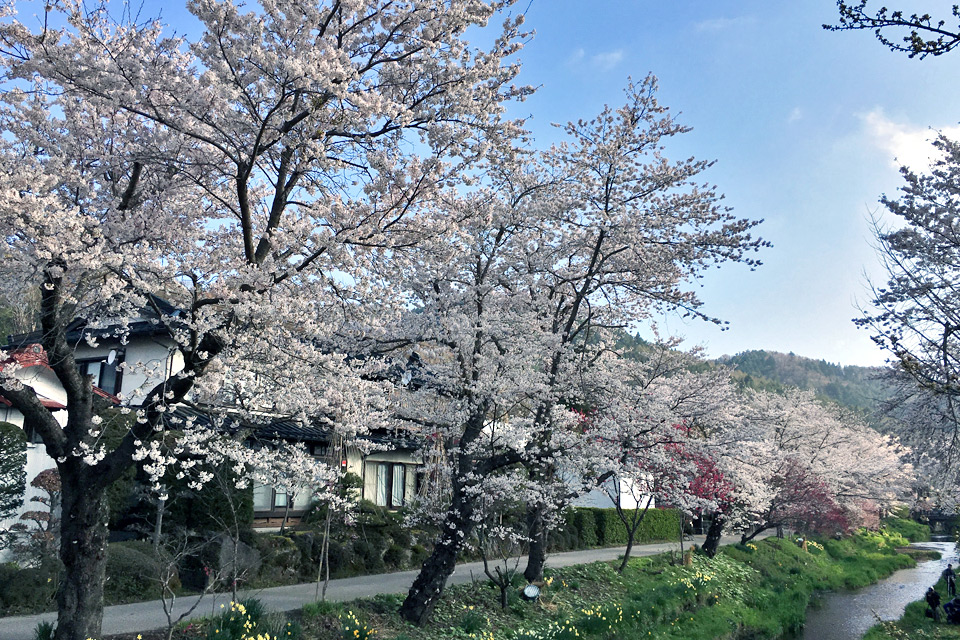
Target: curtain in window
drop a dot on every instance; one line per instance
(381, 497)
(399, 483)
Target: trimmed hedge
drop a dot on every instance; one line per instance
(591, 527)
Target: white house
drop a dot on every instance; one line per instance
(148, 355)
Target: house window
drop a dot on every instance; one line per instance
(106, 376)
(266, 498)
(391, 485)
(262, 498)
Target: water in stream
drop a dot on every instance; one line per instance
(848, 615)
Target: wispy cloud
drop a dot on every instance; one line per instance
(576, 56)
(795, 114)
(723, 24)
(905, 143)
(602, 61)
(607, 61)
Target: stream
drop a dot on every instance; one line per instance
(847, 615)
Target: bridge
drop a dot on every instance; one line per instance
(940, 521)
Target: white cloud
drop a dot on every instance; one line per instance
(905, 143)
(603, 61)
(607, 61)
(795, 114)
(722, 24)
(576, 56)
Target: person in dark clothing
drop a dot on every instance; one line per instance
(933, 601)
(950, 577)
(952, 610)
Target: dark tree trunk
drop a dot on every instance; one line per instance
(83, 551)
(712, 543)
(626, 554)
(457, 525)
(747, 537)
(428, 587)
(632, 524)
(537, 555)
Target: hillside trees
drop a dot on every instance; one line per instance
(244, 176)
(515, 307)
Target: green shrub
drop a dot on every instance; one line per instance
(657, 524)
(133, 572)
(418, 553)
(29, 590)
(395, 557)
(368, 555)
(279, 556)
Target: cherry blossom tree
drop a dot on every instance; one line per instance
(914, 316)
(246, 176)
(515, 309)
(807, 460)
(657, 428)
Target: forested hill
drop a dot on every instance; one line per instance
(851, 386)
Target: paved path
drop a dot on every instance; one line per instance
(143, 616)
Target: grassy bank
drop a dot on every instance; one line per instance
(754, 591)
(909, 529)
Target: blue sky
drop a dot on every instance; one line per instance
(806, 126)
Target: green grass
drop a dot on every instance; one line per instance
(909, 529)
(756, 591)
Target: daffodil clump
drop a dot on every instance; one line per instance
(598, 619)
(353, 629)
(565, 630)
(247, 621)
(710, 579)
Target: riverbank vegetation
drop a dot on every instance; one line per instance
(758, 590)
(909, 529)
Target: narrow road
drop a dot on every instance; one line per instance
(144, 616)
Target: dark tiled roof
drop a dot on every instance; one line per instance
(149, 325)
(287, 429)
(276, 429)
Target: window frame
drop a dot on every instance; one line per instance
(389, 470)
(84, 363)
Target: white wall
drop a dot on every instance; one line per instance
(629, 497)
(148, 360)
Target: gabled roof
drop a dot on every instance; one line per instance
(269, 429)
(150, 324)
